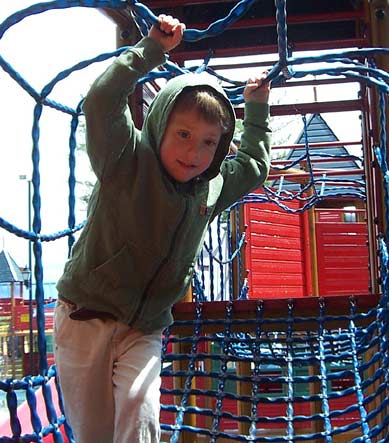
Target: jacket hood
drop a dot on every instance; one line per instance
(162, 105)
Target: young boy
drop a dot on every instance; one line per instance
(156, 193)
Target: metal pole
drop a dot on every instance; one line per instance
(28, 281)
(13, 344)
(30, 310)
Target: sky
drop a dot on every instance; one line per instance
(38, 48)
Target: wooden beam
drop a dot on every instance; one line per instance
(310, 108)
(274, 310)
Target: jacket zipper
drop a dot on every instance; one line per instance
(162, 264)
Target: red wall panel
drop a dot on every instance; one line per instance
(275, 251)
(343, 261)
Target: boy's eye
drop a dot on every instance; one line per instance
(210, 143)
(184, 134)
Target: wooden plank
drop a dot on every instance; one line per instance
(261, 241)
(274, 309)
(270, 216)
(344, 262)
(281, 267)
(284, 292)
(264, 280)
(275, 229)
(267, 254)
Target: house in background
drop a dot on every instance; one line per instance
(336, 172)
(11, 278)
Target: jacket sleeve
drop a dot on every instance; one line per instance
(110, 129)
(250, 167)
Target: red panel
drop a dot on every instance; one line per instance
(343, 262)
(275, 251)
(22, 318)
(278, 253)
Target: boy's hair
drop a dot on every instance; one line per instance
(207, 103)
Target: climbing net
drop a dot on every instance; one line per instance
(243, 370)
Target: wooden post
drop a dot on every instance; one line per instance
(378, 15)
(179, 383)
(312, 236)
(189, 295)
(312, 242)
(208, 385)
(244, 388)
(237, 271)
(315, 407)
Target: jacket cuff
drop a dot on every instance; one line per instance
(256, 113)
(151, 53)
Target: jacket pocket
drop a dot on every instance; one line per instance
(171, 286)
(122, 270)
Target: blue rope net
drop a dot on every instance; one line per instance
(291, 373)
(239, 371)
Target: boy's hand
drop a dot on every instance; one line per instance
(257, 91)
(168, 32)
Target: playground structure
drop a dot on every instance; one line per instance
(309, 365)
(18, 328)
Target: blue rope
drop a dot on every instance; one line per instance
(324, 376)
(193, 35)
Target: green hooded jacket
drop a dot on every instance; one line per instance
(135, 256)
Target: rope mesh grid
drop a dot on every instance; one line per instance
(312, 377)
(288, 373)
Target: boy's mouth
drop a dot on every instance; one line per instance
(186, 165)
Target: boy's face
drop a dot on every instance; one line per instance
(188, 145)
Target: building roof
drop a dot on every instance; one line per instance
(318, 131)
(9, 270)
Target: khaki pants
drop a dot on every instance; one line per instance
(109, 375)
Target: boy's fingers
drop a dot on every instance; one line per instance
(256, 82)
(170, 22)
(161, 19)
(253, 84)
(168, 31)
(178, 28)
(170, 25)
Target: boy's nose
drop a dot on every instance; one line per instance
(192, 151)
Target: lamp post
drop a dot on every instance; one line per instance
(28, 274)
(13, 344)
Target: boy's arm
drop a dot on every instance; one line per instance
(250, 168)
(110, 129)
